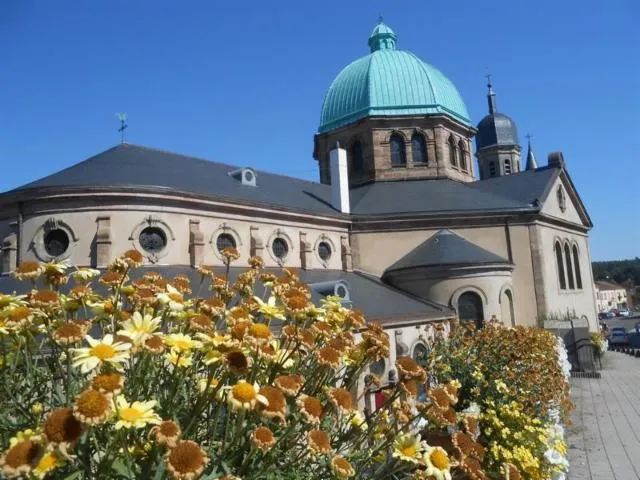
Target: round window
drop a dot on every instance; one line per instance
(280, 248)
(341, 291)
(248, 176)
(225, 240)
(153, 239)
(56, 242)
(324, 251)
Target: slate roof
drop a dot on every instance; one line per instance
(377, 300)
(496, 129)
(524, 187)
(443, 249)
(428, 196)
(128, 165)
(136, 167)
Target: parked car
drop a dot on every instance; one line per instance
(618, 336)
(603, 316)
(623, 313)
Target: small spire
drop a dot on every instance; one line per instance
(531, 158)
(491, 96)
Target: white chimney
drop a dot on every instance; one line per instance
(339, 179)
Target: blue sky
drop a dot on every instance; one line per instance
(243, 82)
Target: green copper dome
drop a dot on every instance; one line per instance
(389, 82)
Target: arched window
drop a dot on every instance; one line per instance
(567, 256)
(506, 308)
(560, 265)
(576, 266)
(453, 153)
(507, 166)
(357, 163)
(418, 149)
(421, 356)
(463, 155)
(398, 157)
(470, 308)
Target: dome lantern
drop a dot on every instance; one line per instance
(382, 38)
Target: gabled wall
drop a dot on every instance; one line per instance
(551, 206)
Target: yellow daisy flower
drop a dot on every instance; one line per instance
(437, 462)
(100, 352)
(139, 328)
(181, 342)
(269, 308)
(47, 463)
(135, 414)
(179, 359)
(407, 447)
(245, 396)
(82, 275)
(172, 298)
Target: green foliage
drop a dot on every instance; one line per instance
(618, 270)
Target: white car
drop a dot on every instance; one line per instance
(624, 313)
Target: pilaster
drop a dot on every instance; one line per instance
(103, 242)
(9, 253)
(196, 243)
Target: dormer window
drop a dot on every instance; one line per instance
(246, 176)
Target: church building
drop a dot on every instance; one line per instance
(404, 223)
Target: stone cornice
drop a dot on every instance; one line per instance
(98, 196)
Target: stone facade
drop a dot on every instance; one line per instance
(374, 134)
(499, 160)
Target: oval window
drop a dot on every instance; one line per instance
(324, 251)
(56, 242)
(280, 248)
(225, 240)
(153, 239)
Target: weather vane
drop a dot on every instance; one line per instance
(488, 76)
(528, 136)
(123, 125)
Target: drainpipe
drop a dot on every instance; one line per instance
(507, 233)
(19, 249)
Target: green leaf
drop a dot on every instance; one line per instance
(121, 468)
(73, 475)
(160, 471)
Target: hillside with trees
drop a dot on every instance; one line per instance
(624, 272)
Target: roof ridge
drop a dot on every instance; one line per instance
(265, 172)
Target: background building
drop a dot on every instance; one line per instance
(610, 295)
